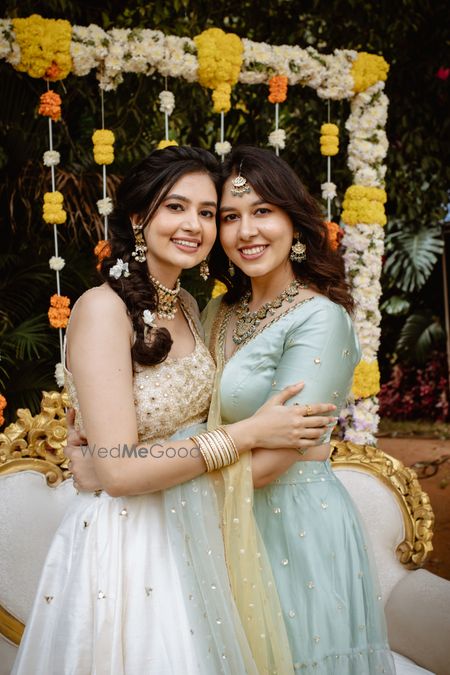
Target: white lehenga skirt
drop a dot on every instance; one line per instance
(134, 586)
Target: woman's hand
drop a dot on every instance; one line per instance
(275, 425)
(81, 464)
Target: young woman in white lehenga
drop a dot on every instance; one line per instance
(135, 581)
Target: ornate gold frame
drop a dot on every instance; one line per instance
(37, 442)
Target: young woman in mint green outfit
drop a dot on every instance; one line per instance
(286, 318)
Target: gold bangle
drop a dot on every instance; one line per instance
(217, 449)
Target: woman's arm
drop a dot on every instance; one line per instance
(99, 341)
(322, 350)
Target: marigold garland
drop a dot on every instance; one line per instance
(44, 46)
(2, 407)
(53, 212)
(366, 379)
(329, 140)
(103, 140)
(364, 205)
(219, 64)
(278, 86)
(59, 312)
(50, 105)
(368, 69)
(102, 250)
(165, 144)
(334, 234)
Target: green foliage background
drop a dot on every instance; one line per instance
(411, 34)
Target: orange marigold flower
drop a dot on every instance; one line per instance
(50, 105)
(278, 85)
(58, 318)
(334, 234)
(102, 250)
(2, 402)
(53, 72)
(59, 301)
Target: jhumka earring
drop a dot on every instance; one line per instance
(231, 270)
(298, 250)
(204, 270)
(239, 185)
(140, 248)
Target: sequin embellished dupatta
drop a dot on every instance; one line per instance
(248, 565)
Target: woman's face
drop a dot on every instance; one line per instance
(183, 228)
(255, 235)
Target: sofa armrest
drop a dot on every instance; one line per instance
(418, 620)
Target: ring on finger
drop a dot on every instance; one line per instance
(308, 411)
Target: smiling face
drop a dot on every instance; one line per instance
(255, 235)
(183, 228)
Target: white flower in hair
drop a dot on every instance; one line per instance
(149, 317)
(328, 190)
(222, 149)
(59, 374)
(119, 269)
(56, 263)
(105, 206)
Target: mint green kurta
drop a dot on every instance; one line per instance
(329, 594)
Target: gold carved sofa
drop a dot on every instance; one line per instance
(35, 493)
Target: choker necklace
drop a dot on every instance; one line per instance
(247, 322)
(167, 299)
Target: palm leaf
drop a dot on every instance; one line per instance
(412, 256)
(419, 336)
(28, 340)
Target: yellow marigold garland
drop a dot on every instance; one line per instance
(219, 64)
(278, 86)
(53, 211)
(329, 140)
(44, 46)
(103, 140)
(366, 379)
(364, 205)
(367, 69)
(59, 312)
(165, 144)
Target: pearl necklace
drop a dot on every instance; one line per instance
(247, 322)
(167, 299)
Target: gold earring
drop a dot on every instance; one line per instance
(140, 248)
(231, 270)
(298, 250)
(204, 270)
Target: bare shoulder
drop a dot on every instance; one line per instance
(100, 305)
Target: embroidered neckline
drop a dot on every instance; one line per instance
(224, 326)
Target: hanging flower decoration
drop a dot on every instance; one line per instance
(278, 85)
(105, 206)
(222, 148)
(364, 205)
(59, 312)
(329, 140)
(59, 375)
(51, 158)
(219, 64)
(103, 140)
(277, 139)
(102, 250)
(167, 102)
(44, 47)
(367, 70)
(2, 407)
(334, 234)
(56, 263)
(53, 211)
(165, 144)
(50, 105)
(329, 190)
(366, 379)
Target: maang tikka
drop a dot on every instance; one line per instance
(298, 250)
(239, 184)
(140, 248)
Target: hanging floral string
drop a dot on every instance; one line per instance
(2, 407)
(166, 106)
(103, 140)
(278, 85)
(329, 146)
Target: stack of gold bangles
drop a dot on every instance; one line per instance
(217, 447)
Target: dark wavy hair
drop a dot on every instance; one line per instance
(275, 182)
(140, 193)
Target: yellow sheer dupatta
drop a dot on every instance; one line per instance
(252, 582)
